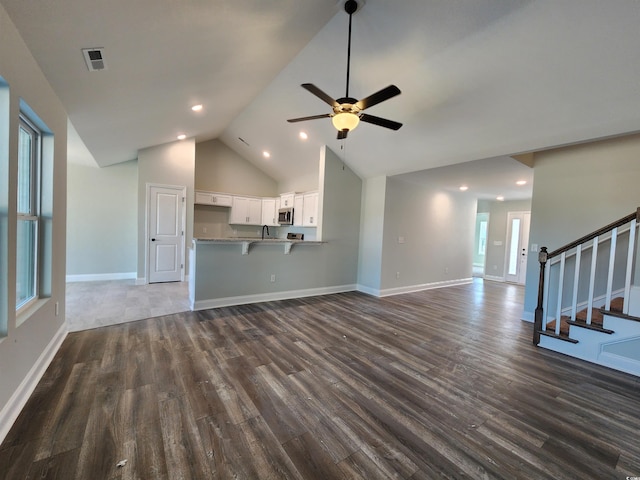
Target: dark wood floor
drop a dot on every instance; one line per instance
(438, 384)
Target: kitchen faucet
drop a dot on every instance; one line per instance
(263, 227)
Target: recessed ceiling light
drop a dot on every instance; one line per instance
(303, 135)
(266, 154)
(521, 182)
(463, 188)
(196, 108)
(500, 198)
(182, 136)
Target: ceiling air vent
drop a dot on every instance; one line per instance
(94, 59)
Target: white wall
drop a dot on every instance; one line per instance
(26, 349)
(168, 164)
(102, 220)
(577, 190)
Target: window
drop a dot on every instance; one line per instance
(27, 242)
(4, 206)
(482, 238)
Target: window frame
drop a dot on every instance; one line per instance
(34, 213)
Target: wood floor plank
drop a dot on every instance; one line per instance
(185, 459)
(436, 384)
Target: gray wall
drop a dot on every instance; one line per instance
(25, 351)
(371, 228)
(220, 169)
(438, 231)
(102, 219)
(577, 190)
(169, 164)
(413, 236)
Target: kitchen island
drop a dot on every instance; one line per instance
(233, 271)
(237, 270)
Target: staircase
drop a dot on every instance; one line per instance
(588, 302)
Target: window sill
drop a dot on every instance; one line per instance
(27, 311)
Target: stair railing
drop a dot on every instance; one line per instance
(573, 252)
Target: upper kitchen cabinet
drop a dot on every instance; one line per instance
(286, 200)
(298, 206)
(270, 207)
(310, 209)
(212, 198)
(246, 211)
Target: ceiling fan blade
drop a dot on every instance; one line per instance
(342, 134)
(384, 94)
(381, 122)
(320, 94)
(312, 117)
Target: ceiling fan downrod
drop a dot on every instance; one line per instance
(350, 7)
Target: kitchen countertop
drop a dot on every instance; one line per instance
(247, 241)
(251, 240)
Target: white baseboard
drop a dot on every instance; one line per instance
(269, 297)
(368, 290)
(425, 286)
(141, 281)
(494, 278)
(94, 277)
(18, 400)
(528, 316)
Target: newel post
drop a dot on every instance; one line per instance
(537, 322)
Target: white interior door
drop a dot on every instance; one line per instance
(166, 233)
(517, 243)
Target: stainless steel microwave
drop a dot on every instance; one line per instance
(285, 216)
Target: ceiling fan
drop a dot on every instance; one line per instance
(347, 111)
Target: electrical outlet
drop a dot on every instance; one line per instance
(204, 229)
(397, 275)
(273, 277)
(446, 269)
(57, 308)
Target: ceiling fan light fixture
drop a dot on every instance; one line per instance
(345, 121)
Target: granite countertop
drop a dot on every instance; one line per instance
(251, 240)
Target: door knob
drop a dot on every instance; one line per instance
(153, 239)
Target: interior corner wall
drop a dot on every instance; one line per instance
(428, 236)
(497, 235)
(577, 190)
(102, 219)
(371, 230)
(26, 351)
(220, 169)
(168, 164)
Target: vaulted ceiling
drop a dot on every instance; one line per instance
(479, 79)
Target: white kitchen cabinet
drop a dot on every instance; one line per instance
(286, 200)
(212, 198)
(310, 209)
(246, 211)
(270, 208)
(298, 207)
